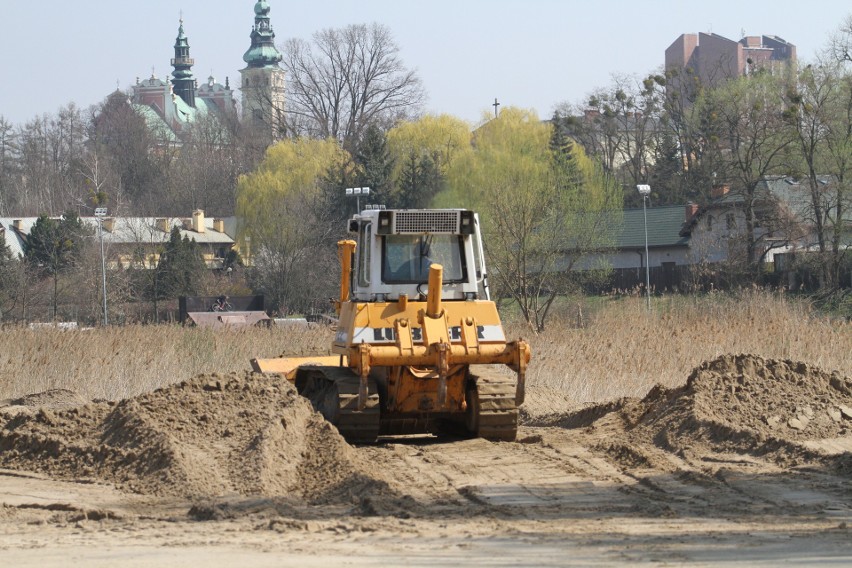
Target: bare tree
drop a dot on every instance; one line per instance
(282, 267)
(840, 46)
(140, 156)
(347, 79)
(621, 127)
(8, 165)
(815, 113)
(212, 157)
(745, 124)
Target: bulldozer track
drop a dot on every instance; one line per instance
(492, 412)
(334, 393)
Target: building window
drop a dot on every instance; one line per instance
(731, 221)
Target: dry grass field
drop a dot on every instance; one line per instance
(623, 350)
(619, 349)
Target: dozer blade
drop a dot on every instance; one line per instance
(287, 365)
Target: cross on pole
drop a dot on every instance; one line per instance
(495, 105)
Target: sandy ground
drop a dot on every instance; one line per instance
(680, 477)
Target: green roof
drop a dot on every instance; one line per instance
(664, 224)
(262, 52)
(155, 123)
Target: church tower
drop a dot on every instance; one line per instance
(263, 79)
(182, 81)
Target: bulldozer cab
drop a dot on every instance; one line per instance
(395, 249)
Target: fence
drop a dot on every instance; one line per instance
(668, 278)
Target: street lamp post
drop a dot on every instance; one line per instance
(100, 213)
(645, 191)
(357, 192)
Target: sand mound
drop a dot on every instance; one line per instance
(213, 435)
(52, 399)
(735, 403)
(755, 398)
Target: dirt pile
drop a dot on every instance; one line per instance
(784, 410)
(210, 436)
(53, 399)
(753, 402)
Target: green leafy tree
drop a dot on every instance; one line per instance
(56, 246)
(545, 207)
(443, 137)
(423, 151)
(838, 163)
(285, 209)
(820, 114)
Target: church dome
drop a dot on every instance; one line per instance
(262, 8)
(262, 52)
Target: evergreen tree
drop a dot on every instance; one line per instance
(55, 246)
(376, 165)
(563, 163)
(331, 199)
(180, 268)
(420, 179)
(666, 178)
(7, 269)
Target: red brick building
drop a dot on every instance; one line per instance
(713, 59)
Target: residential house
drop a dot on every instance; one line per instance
(137, 241)
(784, 222)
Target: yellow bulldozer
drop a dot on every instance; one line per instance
(419, 346)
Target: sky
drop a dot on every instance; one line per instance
(532, 54)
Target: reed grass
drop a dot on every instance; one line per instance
(120, 362)
(618, 349)
(622, 349)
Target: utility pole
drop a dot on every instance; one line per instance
(100, 213)
(645, 191)
(495, 105)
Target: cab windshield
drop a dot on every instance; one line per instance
(407, 258)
